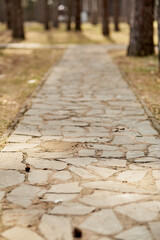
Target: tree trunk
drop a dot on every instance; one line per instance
(17, 19)
(55, 14)
(116, 14)
(69, 17)
(94, 12)
(158, 18)
(8, 13)
(78, 15)
(105, 6)
(46, 15)
(141, 35)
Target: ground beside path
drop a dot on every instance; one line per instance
(83, 156)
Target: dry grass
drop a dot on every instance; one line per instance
(142, 73)
(17, 67)
(91, 34)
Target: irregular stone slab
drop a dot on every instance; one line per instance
(18, 138)
(12, 161)
(134, 154)
(117, 187)
(57, 198)
(103, 147)
(21, 217)
(82, 173)
(71, 209)
(28, 130)
(123, 140)
(20, 233)
(46, 164)
(112, 163)
(10, 178)
(138, 232)
(155, 229)
(66, 188)
(103, 172)
(24, 195)
(141, 212)
(62, 175)
(55, 228)
(87, 139)
(112, 154)
(50, 155)
(145, 128)
(102, 199)
(38, 176)
(80, 161)
(104, 221)
(154, 151)
(136, 147)
(131, 176)
(86, 153)
(145, 160)
(14, 147)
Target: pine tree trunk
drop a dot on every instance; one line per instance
(69, 17)
(55, 14)
(94, 12)
(17, 19)
(116, 14)
(78, 15)
(8, 13)
(141, 35)
(158, 18)
(46, 15)
(105, 9)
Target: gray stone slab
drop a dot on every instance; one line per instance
(72, 187)
(137, 232)
(104, 222)
(9, 178)
(55, 228)
(46, 164)
(12, 161)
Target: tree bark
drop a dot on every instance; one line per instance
(105, 6)
(46, 15)
(158, 19)
(17, 20)
(69, 11)
(141, 35)
(78, 15)
(55, 14)
(116, 15)
(8, 13)
(94, 12)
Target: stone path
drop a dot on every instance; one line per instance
(84, 161)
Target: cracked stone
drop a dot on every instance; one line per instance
(71, 209)
(104, 221)
(24, 195)
(117, 187)
(10, 178)
(102, 199)
(55, 227)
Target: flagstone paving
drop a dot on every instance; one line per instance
(84, 160)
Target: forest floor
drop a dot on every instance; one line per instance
(143, 75)
(90, 34)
